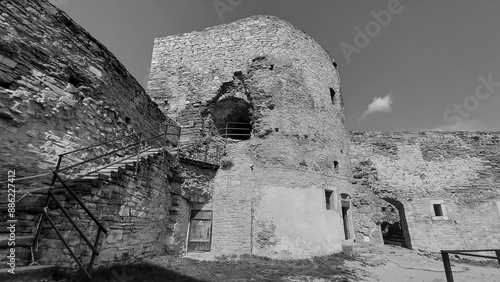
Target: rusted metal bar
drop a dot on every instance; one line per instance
(236, 128)
(66, 244)
(59, 160)
(473, 255)
(95, 246)
(237, 134)
(34, 246)
(138, 153)
(225, 144)
(39, 225)
(109, 141)
(447, 266)
(233, 122)
(74, 224)
(165, 142)
(84, 207)
(471, 251)
(95, 158)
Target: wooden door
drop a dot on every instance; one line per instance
(200, 231)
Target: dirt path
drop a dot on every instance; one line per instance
(402, 265)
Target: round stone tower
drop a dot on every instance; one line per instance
(261, 99)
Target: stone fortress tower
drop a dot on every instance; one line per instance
(265, 162)
(261, 100)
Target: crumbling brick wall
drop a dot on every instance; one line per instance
(460, 170)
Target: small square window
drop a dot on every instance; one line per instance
(438, 211)
(329, 200)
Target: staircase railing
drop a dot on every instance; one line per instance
(445, 254)
(169, 133)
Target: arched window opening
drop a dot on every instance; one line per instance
(232, 117)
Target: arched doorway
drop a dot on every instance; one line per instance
(395, 229)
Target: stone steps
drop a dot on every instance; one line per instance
(29, 209)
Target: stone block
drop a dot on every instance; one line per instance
(115, 235)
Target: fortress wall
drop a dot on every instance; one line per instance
(60, 89)
(460, 169)
(277, 208)
(189, 70)
(140, 210)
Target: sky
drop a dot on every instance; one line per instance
(404, 65)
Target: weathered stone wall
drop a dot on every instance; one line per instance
(189, 72)
(60, 89)
(196, 189)
(269, 194)
(460, 170)
(147, 213)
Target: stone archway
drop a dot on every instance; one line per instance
(405, 233)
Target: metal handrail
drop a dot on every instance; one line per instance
(106, 154)
(234, 122)
(84, 207)
(101, 228)
(119, 138)
(445, 254)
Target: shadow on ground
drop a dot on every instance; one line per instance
(134, 272)
(243, 268)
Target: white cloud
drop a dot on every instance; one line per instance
(379, 104)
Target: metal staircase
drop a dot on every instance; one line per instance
(100, 161)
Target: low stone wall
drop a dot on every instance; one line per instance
(460, 171)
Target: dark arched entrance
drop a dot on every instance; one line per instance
(232, 117)
(399, 232)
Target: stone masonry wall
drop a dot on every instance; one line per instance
(269, 192)
(136, 208)
(147, 213)
(60, 89)
(460, 170)
(192, 71)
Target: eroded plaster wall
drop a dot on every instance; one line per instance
(460, 170)
(269, 194)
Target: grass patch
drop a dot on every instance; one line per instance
(244, 268)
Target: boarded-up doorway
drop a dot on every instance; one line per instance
(200, 231)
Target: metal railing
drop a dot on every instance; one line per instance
(445, 254)
(211, 147)
(230, 131)
(143, 139)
